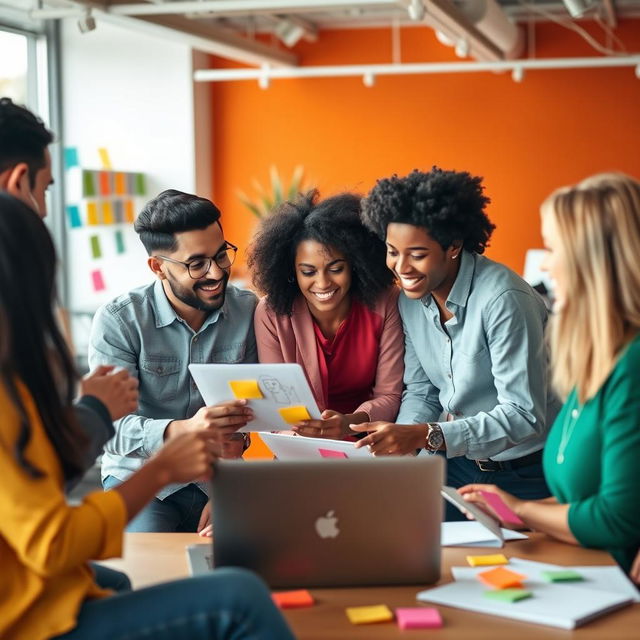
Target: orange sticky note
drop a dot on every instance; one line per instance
(293, 415)
(501, 578)
(293, 599)
(92, 213)
(245, 389)
(483, 561)
(105, 183)
(120, 184)
(369, 615)
(104, 158)
(129, 213)
(107, 212)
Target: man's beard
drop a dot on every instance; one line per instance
(190, 298)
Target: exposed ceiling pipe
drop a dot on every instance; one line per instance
(374, 70)
(248, 7)
(213, 39)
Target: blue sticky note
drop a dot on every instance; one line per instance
(73, 212)
(70, 157)
(119, 241)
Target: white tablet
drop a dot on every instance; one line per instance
(278, 393)
(491, 524)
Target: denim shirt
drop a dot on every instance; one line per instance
(485, 373)
(141, 331)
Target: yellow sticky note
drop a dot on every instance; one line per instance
(107, 212)
(482, 561)
(369, 615)
(104, 158)
(292, 415)
(92, 213)
(245, 389)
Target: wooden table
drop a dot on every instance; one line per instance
(150, 558)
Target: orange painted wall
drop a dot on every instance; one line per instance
(526, 139)
(554, 128)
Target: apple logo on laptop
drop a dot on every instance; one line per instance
(326, 525)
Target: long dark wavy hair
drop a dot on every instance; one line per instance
(333, 222)
(32, 349)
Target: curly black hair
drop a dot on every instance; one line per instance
(448, 204)
(335, 222)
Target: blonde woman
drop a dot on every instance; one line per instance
(592, 236)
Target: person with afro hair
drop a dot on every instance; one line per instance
(476, 384)
(331, 306)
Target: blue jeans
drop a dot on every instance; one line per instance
(227, 603)
(527, 482)
(110, 578)
(180, 512)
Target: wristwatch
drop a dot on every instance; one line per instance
(435, 438)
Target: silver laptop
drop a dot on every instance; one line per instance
(327, 523)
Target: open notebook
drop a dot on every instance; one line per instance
(555, 604)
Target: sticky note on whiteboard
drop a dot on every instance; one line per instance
(330, 453)
(104, 158)
(293, 415)
(98, 281)
(245, 389)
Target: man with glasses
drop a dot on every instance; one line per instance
(190, 314)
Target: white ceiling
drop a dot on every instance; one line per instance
(228, 27)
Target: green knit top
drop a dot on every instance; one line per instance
(592, 461)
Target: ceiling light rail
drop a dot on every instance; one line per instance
(246, 7)
(368, 72)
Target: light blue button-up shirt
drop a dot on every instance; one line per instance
(141, 331)
(485, 370)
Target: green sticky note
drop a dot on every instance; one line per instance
(564, 575)
(508, 595)
(141, 187)
(88, 183)
(119, 242)
(96, 252)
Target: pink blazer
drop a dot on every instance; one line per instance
(283, 338)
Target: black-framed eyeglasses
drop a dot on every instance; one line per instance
(199, 267)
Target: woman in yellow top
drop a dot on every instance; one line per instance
(47, 588)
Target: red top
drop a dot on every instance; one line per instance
(349, 361)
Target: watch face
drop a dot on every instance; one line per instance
(435, 439)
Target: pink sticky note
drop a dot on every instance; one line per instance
(98, 281)
(502, 510)
(329, 453)
(418, 618)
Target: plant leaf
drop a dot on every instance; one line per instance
(276, 185)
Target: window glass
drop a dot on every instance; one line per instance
(13, 66)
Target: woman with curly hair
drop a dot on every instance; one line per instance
(330, 306)
(475, 362)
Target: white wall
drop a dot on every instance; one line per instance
(134, 95)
